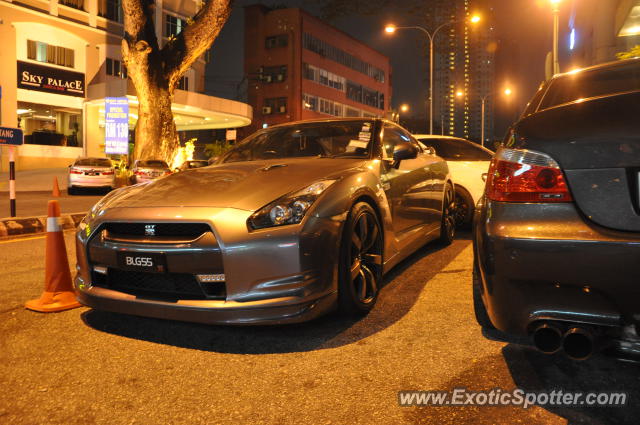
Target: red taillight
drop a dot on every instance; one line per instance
(519, 175)
(107, 173)
(140, 173)
(75, 171)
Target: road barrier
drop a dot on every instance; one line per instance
(58, 292)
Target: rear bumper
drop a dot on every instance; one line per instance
(91, 181)
(545, 262)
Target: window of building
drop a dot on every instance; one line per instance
(47, 53)
(273, 74)
(116, 68)
(183, 84)
(173, 25)
(50, 125)
(335, 54)
(76, 4)
(275, 105)
(309, 102)
(281, 40)
(323, 77)
(110, 9)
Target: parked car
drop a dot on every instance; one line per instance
(468, 163)
(194, 163)
(88, 172)
(147, 170)
(557, 235)
(292, 221)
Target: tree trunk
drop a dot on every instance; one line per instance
(156, 134)
(155, 71)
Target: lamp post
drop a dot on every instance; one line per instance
(507, 92)
(555, 7)
(390, 29)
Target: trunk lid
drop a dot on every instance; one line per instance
(597, 144)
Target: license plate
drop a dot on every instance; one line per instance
(142, 261)
(91, 174)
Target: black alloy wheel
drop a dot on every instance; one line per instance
(448, 225)
(464, 207)
(360, 260)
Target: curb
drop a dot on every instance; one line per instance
(20, 226)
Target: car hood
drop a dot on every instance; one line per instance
(243, 185)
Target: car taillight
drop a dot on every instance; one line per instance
(520, 175)
(107, 173)
(75, 171)
(140, 173)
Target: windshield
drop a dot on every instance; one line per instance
(153, 164)
(93, 162)
(457, 150)
(344, 139)
(197, 164)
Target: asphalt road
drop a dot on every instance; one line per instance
(34, 204)
(85, 367)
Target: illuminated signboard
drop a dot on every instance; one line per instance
(116, 125)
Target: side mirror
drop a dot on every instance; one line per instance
(404, 151)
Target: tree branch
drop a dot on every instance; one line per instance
(195, 39)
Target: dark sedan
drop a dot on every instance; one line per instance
(557, 234)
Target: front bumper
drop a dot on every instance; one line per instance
(545, 262)
(279, 275)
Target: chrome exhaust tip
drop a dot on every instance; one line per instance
(578, 344)
(547, 338)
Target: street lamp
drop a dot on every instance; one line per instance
(391, 29)
(507, 92)
(555, 7)
(404, 107)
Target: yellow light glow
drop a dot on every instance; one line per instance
(404, 108)
(475, 19)
(508, 92)
(459, 93)
(390, 29)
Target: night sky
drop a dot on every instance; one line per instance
(523, 29)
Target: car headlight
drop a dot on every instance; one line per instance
(290, 209)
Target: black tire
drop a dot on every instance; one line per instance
(448, 224)
(72, 191)
(464, 208)
(360, 263)
(482, 317)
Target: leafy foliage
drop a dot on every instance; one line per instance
(633, 53)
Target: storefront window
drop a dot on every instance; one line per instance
(50, 125)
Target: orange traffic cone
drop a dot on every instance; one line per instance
(56, 189)
(58, 293)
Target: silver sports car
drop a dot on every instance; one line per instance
(294, 221)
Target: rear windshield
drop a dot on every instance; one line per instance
(457, 150)
(94, 162)
(197, 164)
(153, 164)
(586, 84)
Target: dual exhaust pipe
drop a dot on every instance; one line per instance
(577, 343)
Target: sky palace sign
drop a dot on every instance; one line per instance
(51, 80)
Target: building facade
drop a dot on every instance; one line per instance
(62, 58)
(301, 68)
(597, 30)
(464, 68)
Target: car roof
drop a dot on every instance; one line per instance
(459, 139)
(328, 120)
(606, 65)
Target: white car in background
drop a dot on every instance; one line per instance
(468, 164)
(96, 173)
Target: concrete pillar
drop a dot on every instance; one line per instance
(92, 9)
(53, 7)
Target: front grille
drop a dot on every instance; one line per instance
(190, 230)
(168, 286)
